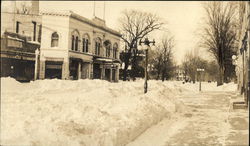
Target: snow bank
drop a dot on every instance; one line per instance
(83, 112)
(205, 86)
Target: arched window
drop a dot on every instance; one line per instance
(97, 46)
(115, 50)
(107, 45)
(75, 40)
(54, 39)
(85, 43)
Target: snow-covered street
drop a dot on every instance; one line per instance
(100, 113)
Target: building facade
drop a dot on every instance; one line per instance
(243, 65)
(20, 38)
(74, 47)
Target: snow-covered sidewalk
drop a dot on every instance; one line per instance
(83, 112)
(209, 120)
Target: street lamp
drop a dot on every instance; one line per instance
(199, 70)
(147, 43)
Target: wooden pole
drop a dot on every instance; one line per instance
(94, 10)
(146, 73)
(200, 81)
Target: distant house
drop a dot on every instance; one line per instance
(74, 47)
(180, 74)
(20, 38)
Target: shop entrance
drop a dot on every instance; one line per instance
(107, 74)
(21, 70)
(113, 74)
(74, 68)
(53, 69)
(96, 71)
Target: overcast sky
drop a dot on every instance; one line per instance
(183, 18)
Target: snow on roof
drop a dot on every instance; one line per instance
(13, 38)
(34, 42)
(104, 59)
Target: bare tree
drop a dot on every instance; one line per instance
(156, 60)
(167, 61)
(219, 35)
(192, 61)
(162, 58)
(136, 25)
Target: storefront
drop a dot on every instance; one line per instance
(79, 65)
(53, 69)
(17, 57)
(106, 69)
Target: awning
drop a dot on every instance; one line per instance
(104, 59)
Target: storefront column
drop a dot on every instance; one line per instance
(90, 72)
(65, 69)
(110, 76)
(42, 67)
(117, 73)
(79, 73)
(102, 72)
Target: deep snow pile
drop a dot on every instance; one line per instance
(83, 112)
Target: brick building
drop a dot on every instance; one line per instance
(20, 38)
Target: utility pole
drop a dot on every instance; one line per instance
(14, 16)
(199, 70)
(94, 9)
(146, 72)
(147, 43)
(104, 6)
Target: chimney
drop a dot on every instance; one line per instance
(35, 7)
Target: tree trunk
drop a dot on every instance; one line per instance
(133, 71)
(158, 75)
(220, 76)
(126, 62)
(163, 75)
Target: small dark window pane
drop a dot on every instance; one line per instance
(73, 41)
(76, 44)
(34, 31)
(83, 45)
(87, 45)
(17, 27)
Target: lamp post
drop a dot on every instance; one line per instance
(199, 70)
(147, 43)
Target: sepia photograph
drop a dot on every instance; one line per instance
(124, 73)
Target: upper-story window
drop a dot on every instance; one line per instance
(107, 45)
(115, 50)
(76, 43)
(72, 42)
(85, 43)
(54, 39)
(34, 30)
(97, 46)
(17, 26)
(75, 40)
